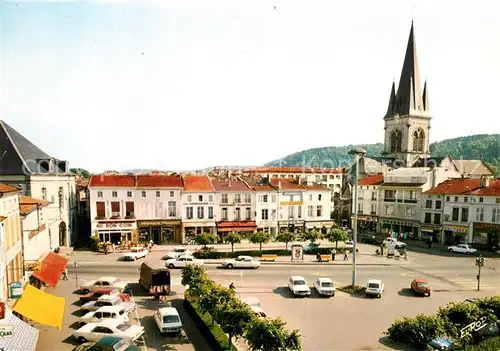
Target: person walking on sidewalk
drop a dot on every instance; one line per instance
(334, 252)
(65, 274)
(345, 255)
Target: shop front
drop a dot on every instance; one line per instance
(395, 227)
(161, 232)
(366, 223)
(116, 232)
(322, 226)
(292, 226)
(242, 227)
(486, 235)
(456, 234)
(431, 232)
(191, 229)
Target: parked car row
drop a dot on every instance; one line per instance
(299, 287)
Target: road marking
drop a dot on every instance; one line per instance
(403, 274)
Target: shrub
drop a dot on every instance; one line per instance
(353, 290)
(94, 244)
(492, 344)
(417, 331)
(254, 253)
(267, 334)
(492, 303)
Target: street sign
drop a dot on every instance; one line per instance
(16, 290)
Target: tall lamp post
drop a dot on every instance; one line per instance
(357, 152)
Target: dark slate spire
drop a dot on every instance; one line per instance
(392, 99)
(408, 96)
(425, 98)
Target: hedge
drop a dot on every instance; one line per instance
(210, 254)
(349, 289)
(492, 344)
(212, 332)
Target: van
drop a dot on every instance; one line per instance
(153, 277)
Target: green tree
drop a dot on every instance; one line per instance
(232, 238)
(233, 318)
(194, 276)
(80, 172)
(259, 238)
(312, 236)
(416, 331)
(336, 235)
(267, 334)
(286, 237)
(212, 297)
(205, 239)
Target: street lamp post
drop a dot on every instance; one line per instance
(357, 152)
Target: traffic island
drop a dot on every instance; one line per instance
(356, 290)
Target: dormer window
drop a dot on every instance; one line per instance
(52, 166)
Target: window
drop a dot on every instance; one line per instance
(481, 199)
(447, 198)
(157, 193)
(201, 212)
(224, 214)
(360, 207)
(428, 217)
(389, 210)
(413, 195)
(437, 218)
(273, 198)
(115, 209)
(290, 211)
(171, 193)
(114, 194)
(497, 200)
(374, 196)
(200, 198)
(396, 141)
(44, 194)
(389, 195)
(100, 209)
(454, 214)
(172, 209)
(237, 214)
(495, 215)
(210, 212)
(224, 199)
(310, 197)
(189, 198)
(319, 211)
(210, 198)
(466, 199)
(237, 198)
(299, 211)
(418, 140)
(265, 214)
(310, 211)
(248, 213)
(319, 197)
(438, 204)
(129, 194)
(428, 203)
(373, 209)
(331, 177)
(143, 193)
(456, 198)
(465, 214)
(129, 209)
(409, 212)
(248, 198)
(480, 214)
(189, 212)
(264, 198)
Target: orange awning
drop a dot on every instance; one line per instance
(51, 269)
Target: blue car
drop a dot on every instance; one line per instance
(441, 344)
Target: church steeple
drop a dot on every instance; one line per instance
(425, 98)
(392, 100)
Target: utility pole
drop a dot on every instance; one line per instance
(479, 262)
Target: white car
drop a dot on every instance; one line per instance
(103, 282)
(324, 286)
(136, 253)
(108, 300)
(393, 242)
(109, 327)
(298, 286)
(241, 262)
(254, 304)
(462, 248)
(182, 261)
(374, 288)
(105, 312)
(168, 320)
(178, 251)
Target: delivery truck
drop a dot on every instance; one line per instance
(154, 276)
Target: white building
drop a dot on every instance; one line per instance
(158, 203)
(266, 208)
(11, 255)
(368, 201)
(41, 176)
(37, 239)
(198, 202)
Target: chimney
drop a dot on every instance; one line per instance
(485, 182)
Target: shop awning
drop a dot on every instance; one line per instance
(51, 269)
(41, 307)
(237, 226)
(17, 335)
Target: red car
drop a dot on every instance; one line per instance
(93, 296)
(421, 286)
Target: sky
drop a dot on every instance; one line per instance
(186, 84)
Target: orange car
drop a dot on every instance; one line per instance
(421, 286)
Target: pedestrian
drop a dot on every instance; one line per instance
(163, 293)
(156, 293)
(345, 255)
(231, 286)
(382, 249)
(65, 274)
(334, 252)
(318, 257)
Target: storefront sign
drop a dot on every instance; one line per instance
(486, 226)
(198, 204)
(282, 223)
(453, 228)
(158, 223)
(6, 331)
(291, 203)
(429, 227)
(115, 225)
(16, 290)
(288, 193)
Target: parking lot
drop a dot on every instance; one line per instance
(53, 340)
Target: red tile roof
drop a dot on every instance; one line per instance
(286, 184)
(158, 181)
(4, 188)
(375, 179)
(263, 187)
(197, 184)
(493, 189)
(455, 186)
(295, 170)
(230, 185)
(29, 204)
(112, 180)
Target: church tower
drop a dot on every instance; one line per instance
(407, 121)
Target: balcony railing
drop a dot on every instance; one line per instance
(130, 215)
(99, 217)
(373, 212)
(389, 199)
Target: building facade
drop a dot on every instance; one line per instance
(11, 262)
(37, 239)
(368, 202)
(198, 206)
(266, 208)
